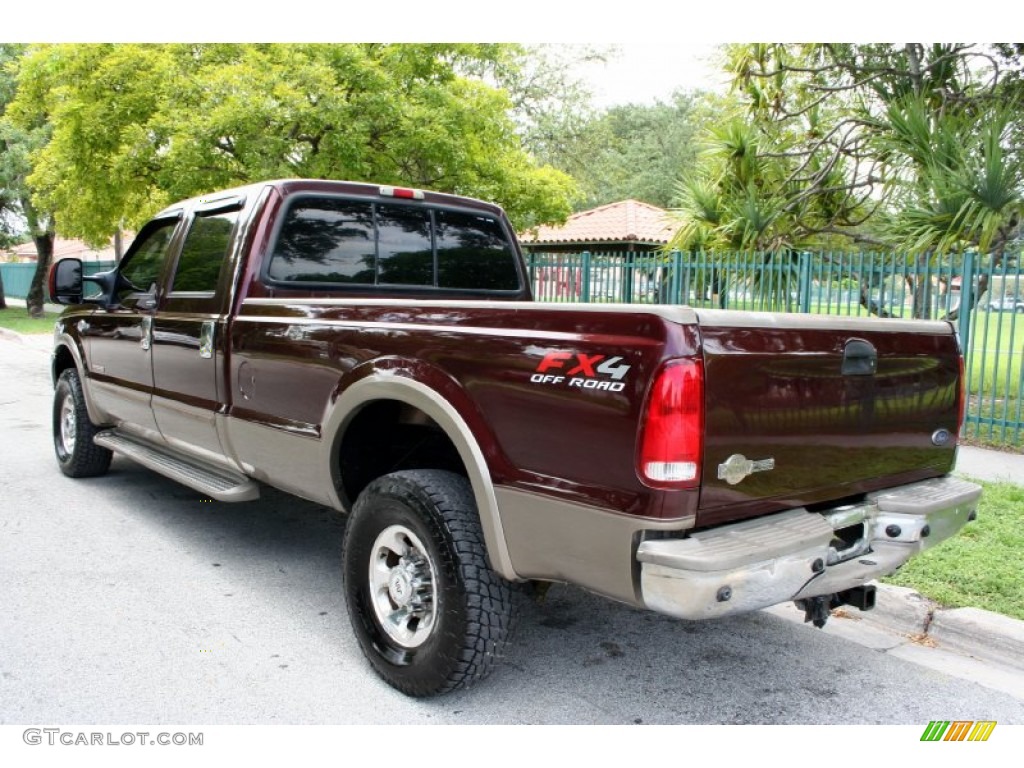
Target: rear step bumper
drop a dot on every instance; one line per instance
(799, 554)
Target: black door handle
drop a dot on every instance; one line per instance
(860, 358)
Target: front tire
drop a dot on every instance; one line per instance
(429, 613)
(73, 432)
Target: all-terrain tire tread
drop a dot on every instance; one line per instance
(490, 600)
(88, 459)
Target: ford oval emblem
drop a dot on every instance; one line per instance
(941, 437)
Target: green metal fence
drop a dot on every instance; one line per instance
(982, 296)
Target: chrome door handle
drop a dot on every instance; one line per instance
(147, 333)
(206, 339)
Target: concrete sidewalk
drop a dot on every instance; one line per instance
(990, 465)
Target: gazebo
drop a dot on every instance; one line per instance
(606, 253)
(626, 226)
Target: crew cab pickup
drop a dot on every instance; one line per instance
(377, 350)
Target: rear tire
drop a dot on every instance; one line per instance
(429, 613)
(77, 454)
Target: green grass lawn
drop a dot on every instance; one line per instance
(981, 566)
(17, 319)
(995, 355)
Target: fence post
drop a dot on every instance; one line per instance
(627, 278)
(585, 283)
(963, 318)
(677, 270)
(804, 285)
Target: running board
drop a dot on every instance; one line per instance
(217, 483)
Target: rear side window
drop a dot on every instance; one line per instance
(326, 241)
(204, 253)
(472, 252)
(404, 250)
(331, 241)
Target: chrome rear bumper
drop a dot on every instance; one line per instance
(798, 554)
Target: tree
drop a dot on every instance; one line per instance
(136, 127)
(17, 143)
(865, 109)
(551, 104)
(627, 151)
(892, 145)
(961, 184)
(633, 151)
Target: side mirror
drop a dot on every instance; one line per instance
(65, 282)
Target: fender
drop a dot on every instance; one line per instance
(63, 339)
(390, 379)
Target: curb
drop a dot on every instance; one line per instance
(982, 634)
(972, 632)
(900, 609)
(9, 335)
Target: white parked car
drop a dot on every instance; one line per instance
(1005, 304)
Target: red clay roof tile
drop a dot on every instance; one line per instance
(622, 222)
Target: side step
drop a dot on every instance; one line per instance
(219, 484)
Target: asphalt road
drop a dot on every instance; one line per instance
(130, 599)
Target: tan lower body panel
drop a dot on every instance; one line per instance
(593, 548)
(294, 463)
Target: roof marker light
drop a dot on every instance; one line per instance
(403, 192)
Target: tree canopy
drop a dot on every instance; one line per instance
(135, 127)
(19, 212)
(909, 146)
(633, 150)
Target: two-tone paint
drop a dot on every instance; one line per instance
(272, 380)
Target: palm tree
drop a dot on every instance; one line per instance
(746, 198)
(960, 179)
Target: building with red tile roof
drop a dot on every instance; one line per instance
(62, 248)
(629, 225)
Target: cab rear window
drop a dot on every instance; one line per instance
(325, 241)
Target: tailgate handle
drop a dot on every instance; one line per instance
(859, 358)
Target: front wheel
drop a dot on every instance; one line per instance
(429, 613)
(73, 432)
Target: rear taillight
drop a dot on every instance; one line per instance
(671, 433)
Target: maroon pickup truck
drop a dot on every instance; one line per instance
(376, 349)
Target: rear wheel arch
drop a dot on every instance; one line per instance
(384, 387)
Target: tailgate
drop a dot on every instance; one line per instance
(803, 409)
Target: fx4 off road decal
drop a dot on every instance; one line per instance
(574, 369)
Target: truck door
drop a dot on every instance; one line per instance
(119, 338)
(189, 329)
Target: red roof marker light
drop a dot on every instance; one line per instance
(403, 192)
